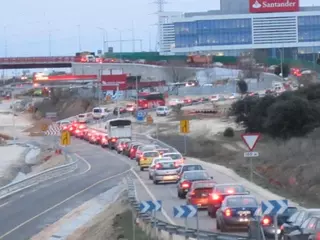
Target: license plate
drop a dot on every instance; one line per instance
(204, 195)
(243, 219)
(244, 212)
(168, 177)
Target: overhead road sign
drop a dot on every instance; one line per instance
(274, 207)
(251, 154)
(250, 139)
(185, 211)
(184, 126)
(150, 206)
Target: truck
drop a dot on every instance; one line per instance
(118, 129)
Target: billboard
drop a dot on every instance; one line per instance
(269, 6)
(110, 82)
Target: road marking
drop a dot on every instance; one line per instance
(62, 202)
(165, 214)
(4, 204)
(86, 162)
(152, 197)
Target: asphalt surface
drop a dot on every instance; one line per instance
(24, 215)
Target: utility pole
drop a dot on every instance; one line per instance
(79, 37)
(133, 37)
(50, 50)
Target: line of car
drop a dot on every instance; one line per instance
(230, 203)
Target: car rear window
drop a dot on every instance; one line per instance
(242, 202)
(129, 105)
(174, 156)
(151, 154)
(147, 148)
(206, 185)
(167, 165)
(230, 189)
(81, 115)
(196, 175)
(97, 110)
(160, 108)
(192, 168)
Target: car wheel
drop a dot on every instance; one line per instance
(249, 233)
(213, 213)
(217, 225)
(223, 228)
(150, 177)
(141, 168)
(155, 182)
(179, 195)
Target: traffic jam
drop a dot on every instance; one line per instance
(231, 204)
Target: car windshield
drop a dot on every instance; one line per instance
(174, 156)
(151, 154)
(129, 105)
(97, 110)
(230, 189)
(195, 175)
(242, 202)
(167, 165)
(192, 167)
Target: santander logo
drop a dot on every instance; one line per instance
(274, 5)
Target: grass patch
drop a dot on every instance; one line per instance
(125, 224)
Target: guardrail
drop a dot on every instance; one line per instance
(38, 178)
(163, 228)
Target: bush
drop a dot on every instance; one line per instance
(228, 132)
(292, 114)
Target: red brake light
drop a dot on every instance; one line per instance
(192, 193)
(215, 196)
(158, 166)
(281, 228)
(265, 221)
(230, 191)
(227, 212)
(185, 185)
(113, 140)
(77, 131)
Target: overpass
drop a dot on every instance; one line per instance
(152, 72)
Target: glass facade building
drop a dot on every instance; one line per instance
(213, 32)
(309, 28)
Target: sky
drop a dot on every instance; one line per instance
(28, 27)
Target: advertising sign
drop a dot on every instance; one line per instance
(38, 78)
(268, 6)
(110, 82)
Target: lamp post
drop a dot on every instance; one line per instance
(104, 38)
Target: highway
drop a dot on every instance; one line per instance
(24, 215)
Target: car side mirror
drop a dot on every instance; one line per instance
(211, 177)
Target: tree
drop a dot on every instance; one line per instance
(285, 70)
(242, 86)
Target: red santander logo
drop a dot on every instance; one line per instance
(265, 6)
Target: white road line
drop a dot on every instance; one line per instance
(62, 202)
(153, 197)
(4, 204)
(86, 162)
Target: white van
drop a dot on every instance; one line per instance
(99, 112)
(163, 111)
(84, 117)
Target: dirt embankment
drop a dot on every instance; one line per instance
(288, 168)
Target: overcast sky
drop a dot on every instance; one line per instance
(29, 23)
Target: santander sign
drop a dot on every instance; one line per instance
(265, 6)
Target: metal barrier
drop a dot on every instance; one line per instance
(38, 178)
(171, 230)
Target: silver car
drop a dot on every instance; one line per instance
(154, 163)
(165, 171)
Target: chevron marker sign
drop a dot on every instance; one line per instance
(148, 206)
(185, 211)
(274, 207)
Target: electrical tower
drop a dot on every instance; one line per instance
(161, 20)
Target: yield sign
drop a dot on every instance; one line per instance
(250, 139)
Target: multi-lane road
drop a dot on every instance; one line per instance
(26, 214)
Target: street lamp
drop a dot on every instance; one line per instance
(104, 38)
(120, 36)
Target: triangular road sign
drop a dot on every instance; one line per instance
(250, 139)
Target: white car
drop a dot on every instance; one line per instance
(99, 112)
(84, 117)
(175, 156)
(153, 164)
(175, 102)
(216, 98)
(162, 111)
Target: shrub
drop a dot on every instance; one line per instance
(228, 132)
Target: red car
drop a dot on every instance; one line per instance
(133, 150)
(200, 193)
